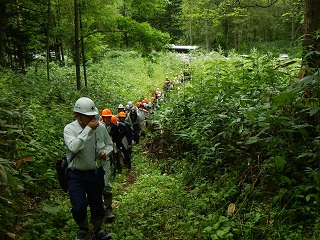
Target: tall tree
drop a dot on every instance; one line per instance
(311, 37)
(76, 43)
(169, 20)
(3, 24)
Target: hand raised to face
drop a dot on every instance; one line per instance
(93, 124)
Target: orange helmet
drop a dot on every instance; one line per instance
(152, 98)
(106, 113)
(114, 119)
(122, 114)
(137, 104)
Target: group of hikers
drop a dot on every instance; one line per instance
(96, 143)
(93, 141)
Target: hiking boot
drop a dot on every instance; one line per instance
(109, 215)
(108, 203)
(102, 235)
(81, 235)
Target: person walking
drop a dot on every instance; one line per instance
(142, 112)
(125, 139)
(90, 145)
(134, 121)
(112, 130)
(120, 108)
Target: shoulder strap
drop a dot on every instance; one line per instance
(74, 156)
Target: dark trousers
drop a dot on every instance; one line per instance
(86, 188)
(136, 133)
(127, 157)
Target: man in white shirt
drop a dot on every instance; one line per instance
(90, 145)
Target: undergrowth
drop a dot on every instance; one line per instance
(233, 154)
(245, 127)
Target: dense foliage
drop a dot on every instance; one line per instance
(34, 111)
(233, 154)
(32, 29)
(247, 132)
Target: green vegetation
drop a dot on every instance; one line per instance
(246, 132)
(233, 154)
(34, 111)
(34, 29)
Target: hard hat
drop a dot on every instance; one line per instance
(85, 106)
(114, 119)
(152, 98)
(122, 114)
(120, 106)
(158, 89)
(130, 104)
(137, 104)
(106, 113)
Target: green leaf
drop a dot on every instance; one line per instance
(50, 209)
(222, 233)
(314, 110)
(12, 181)
(279, 163)
(283, 99)
(250, 115)
(252, 140)
(3, 177)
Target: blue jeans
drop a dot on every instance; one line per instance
(86, 188)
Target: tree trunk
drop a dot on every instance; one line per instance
(2, 33)
(310, 42)
(207, 35)
(76, 43)
(48, 40)
(82, 50)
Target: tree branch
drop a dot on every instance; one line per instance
(101, 31)
(27, 8)
(254, 5)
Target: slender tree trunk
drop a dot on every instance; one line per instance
(2, 33)
(125, 35)
(48, 41)
(310, 42)
(292, 25)
(190, 12)
(207, 35)
(190, 31)
(76, 43)
(227, 30)
(82, 50)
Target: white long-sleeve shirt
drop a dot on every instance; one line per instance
(88, 143)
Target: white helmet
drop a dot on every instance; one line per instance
(85, 106)
(121, 106)
(130, 104)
